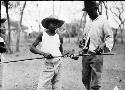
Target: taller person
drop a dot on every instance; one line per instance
(99, 38)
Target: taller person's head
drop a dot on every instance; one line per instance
(91, 8)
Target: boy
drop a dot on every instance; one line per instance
(51, 46)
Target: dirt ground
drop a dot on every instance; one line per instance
(24, 75)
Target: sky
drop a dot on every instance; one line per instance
(65, 10)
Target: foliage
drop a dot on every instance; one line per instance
(34, 34)
(70, 30)
(74, 31)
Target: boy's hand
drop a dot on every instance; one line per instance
(48, 55)
(74, 56)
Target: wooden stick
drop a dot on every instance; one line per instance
(56, 57)
(28, 59)
(95, 54)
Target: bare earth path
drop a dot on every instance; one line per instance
(24, 75)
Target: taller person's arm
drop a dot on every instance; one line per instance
(109, 41)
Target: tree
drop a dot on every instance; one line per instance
(82, 24)
(18, 8)
(106, 7)
(100, 7)
(19, 27)
(38, 19)
(8, 42)
(120, 20)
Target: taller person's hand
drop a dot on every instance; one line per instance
(100, 48)
(84, 50)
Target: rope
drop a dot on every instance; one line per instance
(53, 7)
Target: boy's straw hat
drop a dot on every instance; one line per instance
(45, 22)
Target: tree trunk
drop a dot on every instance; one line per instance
(84, 22)
(18, 38)
(9, 30)
(115, 34)
(122, 41)
(121, 30)
(122, 36)
(39, 22)
(106, 10)
(100, 11)
(69, 34)
(82, 25)
(19, 28)
(79, 29)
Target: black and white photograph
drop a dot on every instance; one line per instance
(62, 45)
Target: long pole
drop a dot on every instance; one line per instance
(55, 57)
(27, 59)
(53, 8)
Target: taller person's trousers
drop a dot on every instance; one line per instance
(91, 71)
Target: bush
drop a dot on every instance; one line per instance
(33, 34)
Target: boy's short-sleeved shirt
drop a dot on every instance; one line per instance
(51, 44)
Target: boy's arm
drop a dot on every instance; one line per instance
(33, 48)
